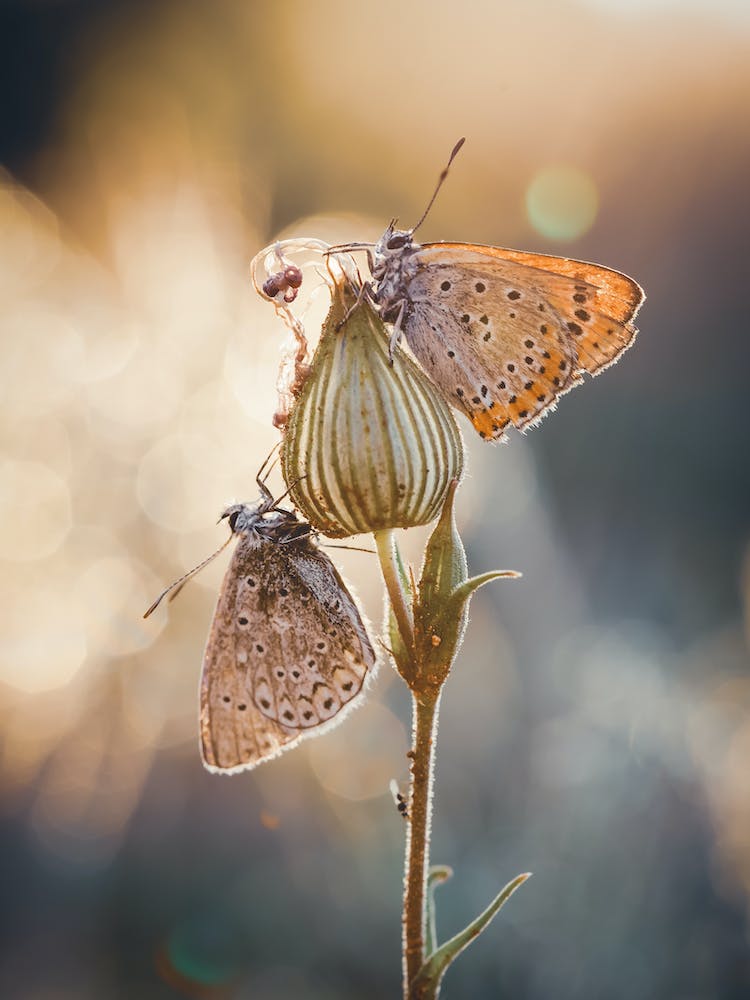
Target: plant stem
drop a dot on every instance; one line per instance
(385, 543)
(422, 754)
(425, 703)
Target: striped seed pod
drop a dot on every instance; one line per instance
(369, 445)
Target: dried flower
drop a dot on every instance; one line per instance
(369, 443)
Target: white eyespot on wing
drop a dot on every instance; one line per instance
(340, 632)
(263, 694)
(307, 713)
(347, 679)
(324, 651)
(326, 702)
(287, 710)
(235, 734)
(287, 653)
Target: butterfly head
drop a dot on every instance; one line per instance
(245, 517)
(392, 244)
(264, 521)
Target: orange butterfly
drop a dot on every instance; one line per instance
(502, 333)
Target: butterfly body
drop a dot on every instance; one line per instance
(502, 333)
(287, 652)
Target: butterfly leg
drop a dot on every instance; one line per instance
(264, 472)
(292, 532)
(286, 494)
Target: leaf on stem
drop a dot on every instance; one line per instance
(427, 980)
(441, 610)
(456, 606)
(438, 874)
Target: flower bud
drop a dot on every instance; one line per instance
(369, 444)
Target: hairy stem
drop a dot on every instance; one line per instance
(422, 754)
(425, 702)
(385, 543)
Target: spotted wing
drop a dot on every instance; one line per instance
(287, 654)
(504, 334)
(609, 299)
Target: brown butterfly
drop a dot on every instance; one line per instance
(502, 333)
(288, 652)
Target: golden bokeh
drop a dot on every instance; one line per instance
(562, 202)
(597, 726)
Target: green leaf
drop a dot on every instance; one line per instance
(461, 595)
(443, 631)
(441, 610)
(437, 633)
(438, 874)
(427, 980)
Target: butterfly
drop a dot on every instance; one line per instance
(287, 653)
(502, 333)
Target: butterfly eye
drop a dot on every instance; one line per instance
(233, 519)
(396, 242)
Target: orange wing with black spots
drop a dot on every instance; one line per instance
(604, 302)
(504, 334)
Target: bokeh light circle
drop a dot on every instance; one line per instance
(562, 202)
(205, 949)
(113, 593)
(43, 644)
(357, 760)
(35, 515)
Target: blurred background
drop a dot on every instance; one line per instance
(596, 729)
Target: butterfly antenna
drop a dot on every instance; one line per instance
(176, 587)
(441, 178)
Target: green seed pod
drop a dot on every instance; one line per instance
(369, 445)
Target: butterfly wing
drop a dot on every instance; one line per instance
(504, 334)
(603, 302)
(286, 654)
